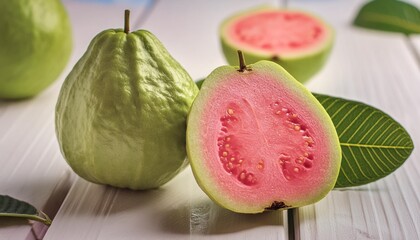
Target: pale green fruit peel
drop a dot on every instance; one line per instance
(35, 45)
(121, 114)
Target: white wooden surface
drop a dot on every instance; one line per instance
(31, 168)
(189, 30)
(379, 69)
(415, 43)
(374, 67)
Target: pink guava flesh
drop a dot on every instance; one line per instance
(278, 32)
(263, 142)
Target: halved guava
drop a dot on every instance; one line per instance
(258, 140)
(297, 40)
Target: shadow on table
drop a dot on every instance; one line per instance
(4, 104)
(178, 208)
(206, 218)
(364, 188)
(12, 221)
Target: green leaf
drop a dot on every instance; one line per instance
(11, 207)
(373, 144)
(389, 15)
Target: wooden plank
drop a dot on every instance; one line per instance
(414, 43)
(179, 209)
(189, 30)
(32, 168)
(379, 69)
(413, 40)
(93, 16)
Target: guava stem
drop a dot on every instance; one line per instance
(127, 21)
(242, 64)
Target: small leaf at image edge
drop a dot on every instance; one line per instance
(11, 207)
(389, 15)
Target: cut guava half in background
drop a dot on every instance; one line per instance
(258, 140)
(300, 42)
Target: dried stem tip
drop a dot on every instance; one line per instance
(242, 64)
(127, 21)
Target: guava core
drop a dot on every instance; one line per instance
(258, 140)
(298, 41)
(35, 46)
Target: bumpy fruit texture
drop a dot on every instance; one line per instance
(121, 114)
(259, 140)
(35, 46)
(296, 40)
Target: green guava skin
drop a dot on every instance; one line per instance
(302, 66)
(197, 155)
(121, 113)
(35, 46)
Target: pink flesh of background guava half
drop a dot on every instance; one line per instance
(263, 143)
(277, 32)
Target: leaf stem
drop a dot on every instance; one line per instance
(44, 218)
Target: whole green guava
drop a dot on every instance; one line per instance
(121, 113)
(35, 46)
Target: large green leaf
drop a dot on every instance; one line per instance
(373, 144)
(11, 207)
(389, 15)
